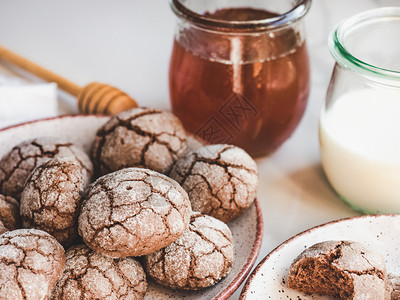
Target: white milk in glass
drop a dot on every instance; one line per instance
(360, 149)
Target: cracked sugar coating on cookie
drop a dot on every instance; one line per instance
(51, 199)
(200, 258)
(395, 286)
(31, 262)
(9, 214)
(16, 166)
(221, 180)
(90, 275)
(343, 269)
(141, 137)
(133, 212)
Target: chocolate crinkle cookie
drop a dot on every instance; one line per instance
(9, 214)
(133, 212)
(16, 166)
(221, 180)
(341, 269)
(140, 137)
(31, 262)
(90, 275)
(200, 258)
(51, 199)
(395, 286)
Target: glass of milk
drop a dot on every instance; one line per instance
(360, 121)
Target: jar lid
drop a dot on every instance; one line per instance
(183, 10)
(369, 43)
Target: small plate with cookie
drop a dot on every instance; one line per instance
(354, 258)
(111, 244)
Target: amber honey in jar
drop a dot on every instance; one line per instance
(239, 74)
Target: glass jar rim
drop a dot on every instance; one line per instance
(343, 56)
(289, 17)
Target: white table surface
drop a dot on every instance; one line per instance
(127, 43)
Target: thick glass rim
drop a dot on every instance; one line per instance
(344, 58)
(291, 16)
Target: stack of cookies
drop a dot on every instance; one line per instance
(144, 203)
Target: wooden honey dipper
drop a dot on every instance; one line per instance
(93, 98)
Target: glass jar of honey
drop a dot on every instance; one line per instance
(239, 70)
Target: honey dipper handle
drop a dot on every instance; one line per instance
(39, 71)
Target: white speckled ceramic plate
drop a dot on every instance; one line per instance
(269, 279)
(247, 229)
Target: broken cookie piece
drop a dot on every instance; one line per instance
(341, 269)
(200, 258)
(140, 137)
